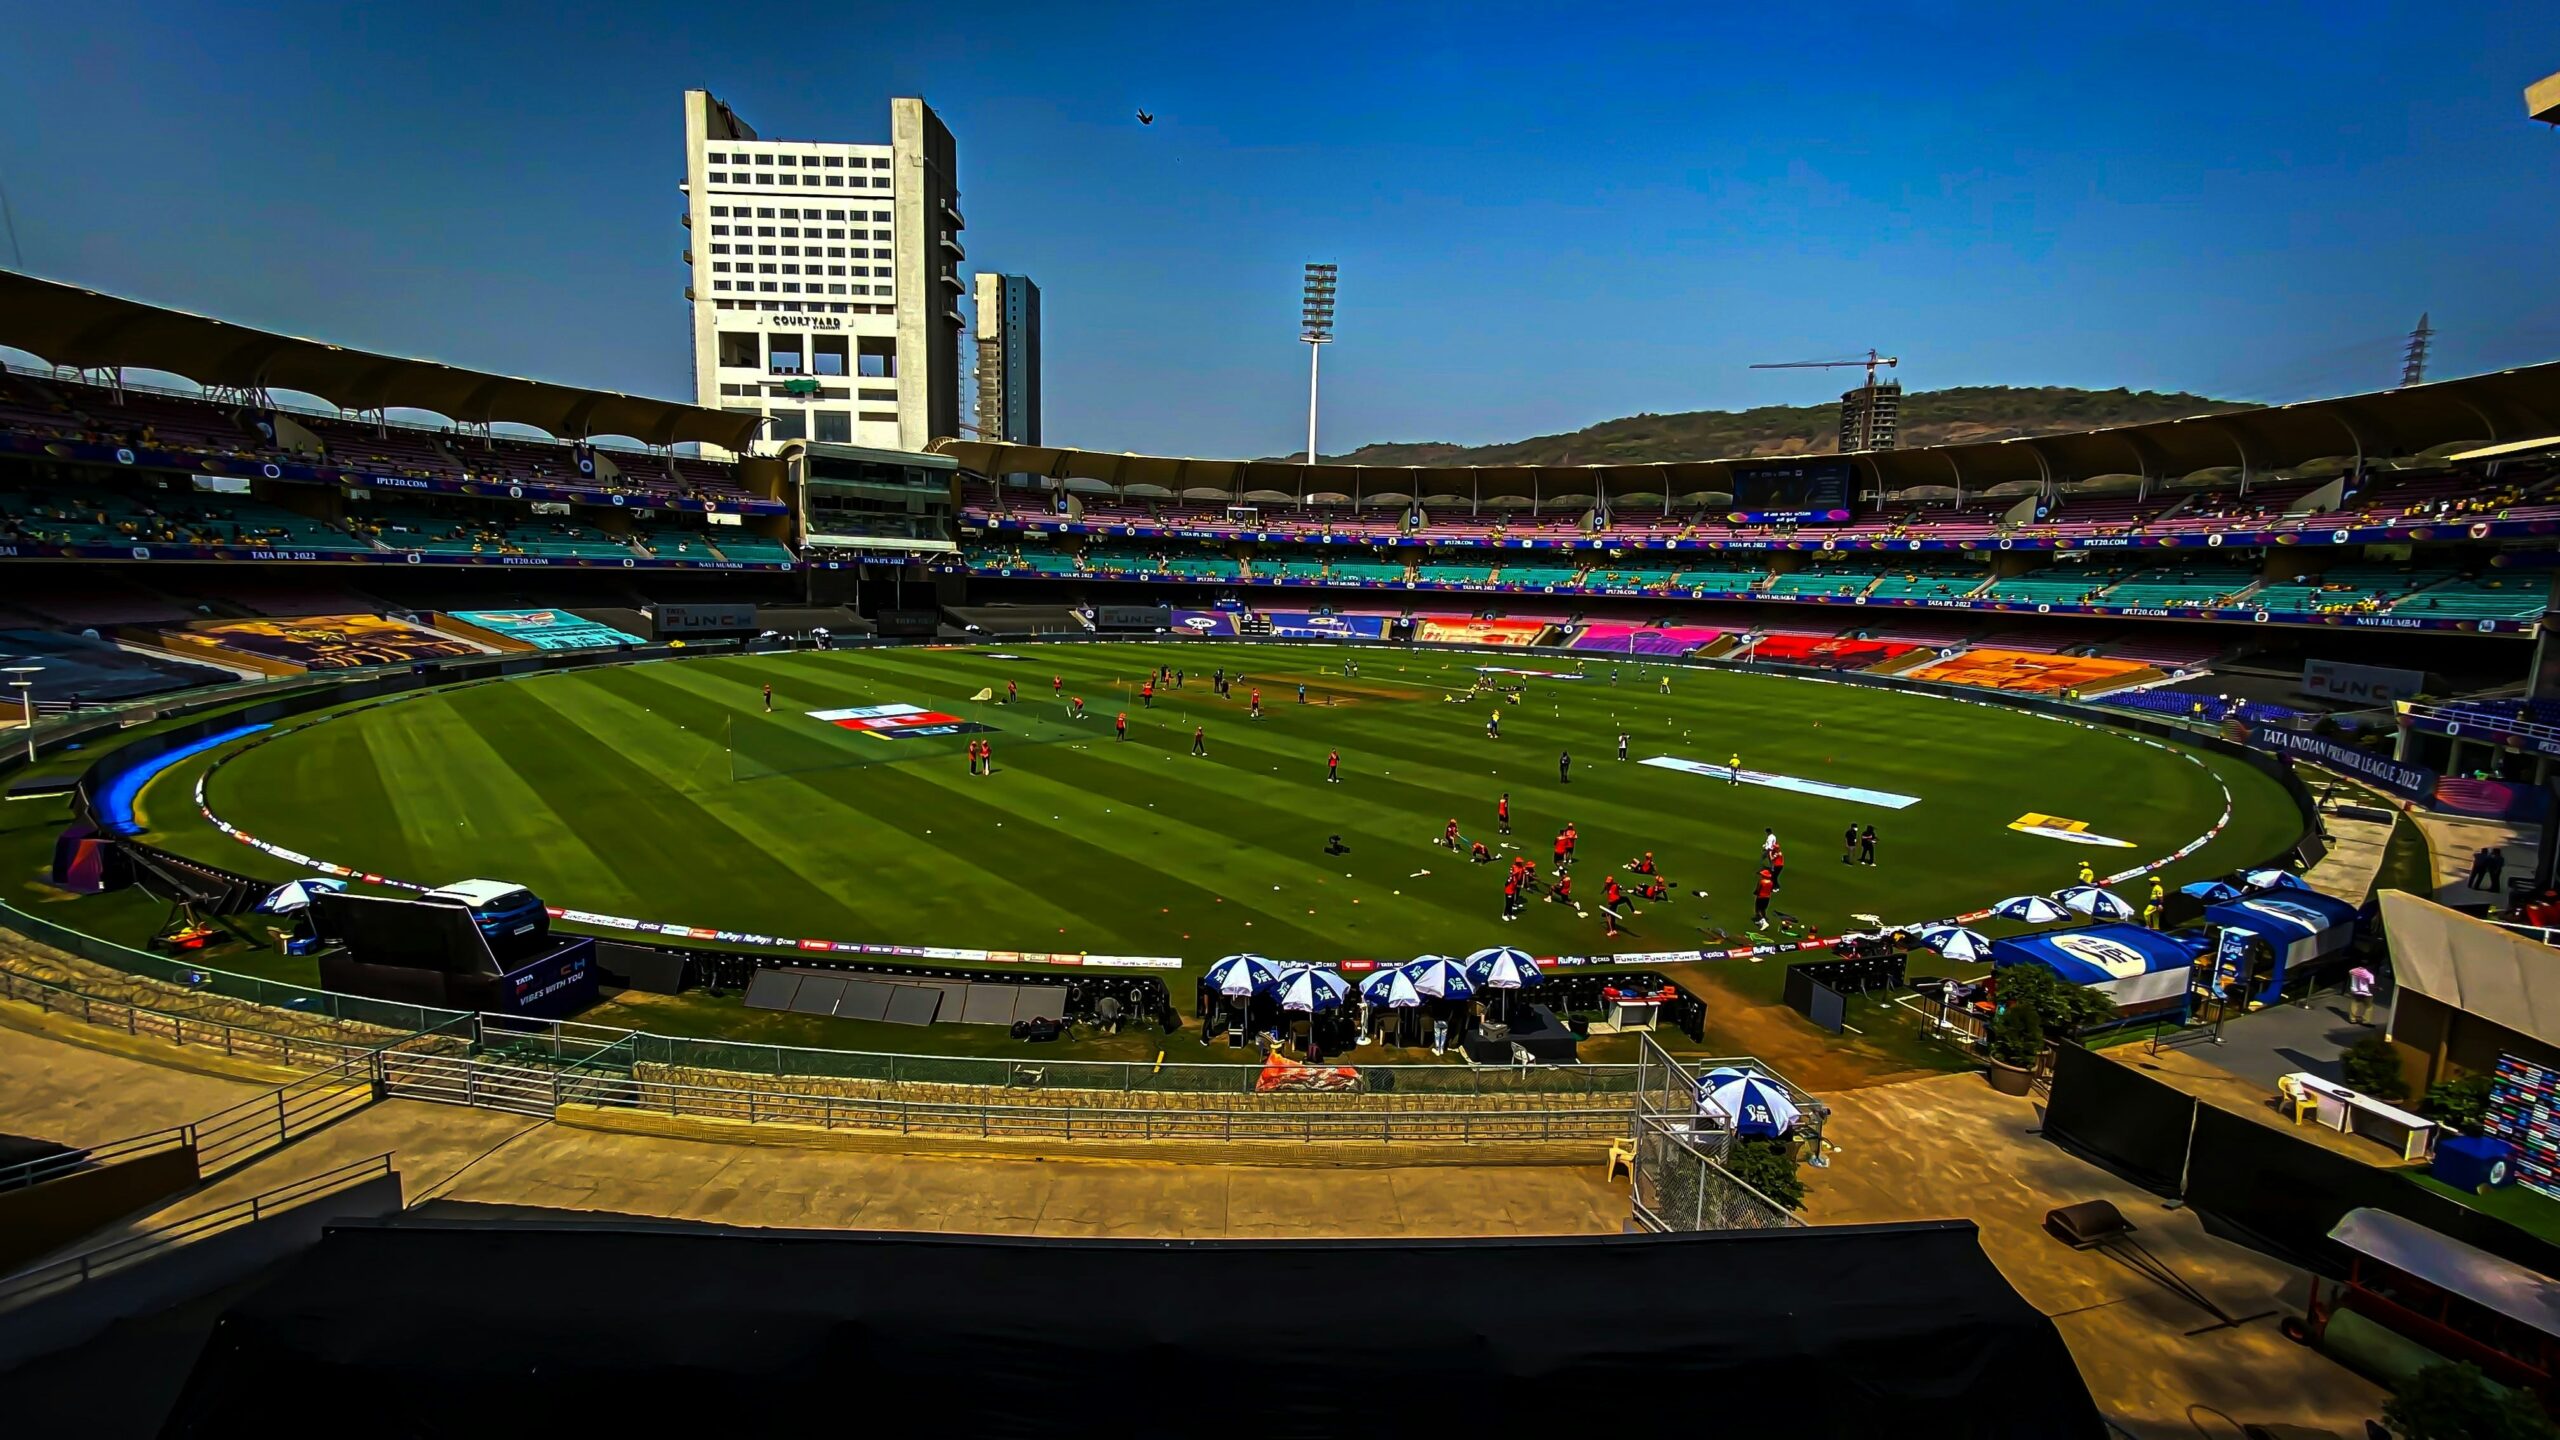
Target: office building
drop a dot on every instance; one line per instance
(1008, 359)
(824, 278)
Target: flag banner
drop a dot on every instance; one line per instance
(899, 722)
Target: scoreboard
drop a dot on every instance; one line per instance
(1803, 492)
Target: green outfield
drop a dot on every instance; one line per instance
(663, 792)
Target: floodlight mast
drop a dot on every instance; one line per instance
(1315, 327)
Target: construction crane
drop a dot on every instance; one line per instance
(1870, 419)
(1871, 361)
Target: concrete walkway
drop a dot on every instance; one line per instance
(53, 1090)
(1951, 1146)
(2454, 839)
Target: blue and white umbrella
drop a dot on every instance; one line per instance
(1754, 1106)
(1308, 989)
(2274, 880)
(2212, 892)
(1437, 977)
(1392, 989)
(2033, 909)
(1957, 943)
(2096, 903)
(1719, 1077)
(298, 895)
(1240, 976)
(1503, 968)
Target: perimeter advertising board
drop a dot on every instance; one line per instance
(703, 620)
(2359, 684)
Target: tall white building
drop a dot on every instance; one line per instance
(825, 278)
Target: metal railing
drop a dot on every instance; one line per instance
(1678, 1178)
(28, 1173)
(1128, 1076)
(250, 1042)
(392, 1016)
(74, 1270)
(254, 1127)
(1078, 1122)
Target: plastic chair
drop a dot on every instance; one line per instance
(2296, 1102)
(1622, 1156)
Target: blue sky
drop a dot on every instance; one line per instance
(1545, 216)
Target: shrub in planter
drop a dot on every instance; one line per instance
(2461, 1105)
(1768, 1166)
(2372, 1066)
(2017, 1034)
(2062, 1008)
(2455, 1402)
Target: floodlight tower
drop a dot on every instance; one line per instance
(1315, 326)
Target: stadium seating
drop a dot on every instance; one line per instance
(1623, 638)
(2500, 595)
(161, 420)
(2195, 705)
(2346, 589)
(2173, 587)
(1828, 652)
(1718, 581)
(1536, 576)
(1928, 583)
(746, 547)
(1446, 572)
(74, 670)
(1291, 567)
(1827, 581)
(2057, 584)
(1375, 572)
(2045, 674)
(544, 629)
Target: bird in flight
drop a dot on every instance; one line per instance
(1145, 119)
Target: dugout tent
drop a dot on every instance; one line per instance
(2133, 965)
(664, 1328)
(2302, 925)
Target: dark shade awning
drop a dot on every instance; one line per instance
(2475, 410)
(70, 326)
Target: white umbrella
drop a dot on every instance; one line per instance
(2033, 909)
(1957, 943)
(2274, 880)
(1437, 977)
(1240, 976)
(1308, 989)
(2096, 903)
(298, 895)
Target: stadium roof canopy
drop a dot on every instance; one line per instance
(70, 326)
(2491, 409)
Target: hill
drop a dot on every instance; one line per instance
(1929, 417)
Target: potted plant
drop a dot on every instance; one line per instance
(2017, 1039)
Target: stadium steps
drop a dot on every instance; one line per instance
(614, 617)
(1908, 660)
(2142, 679)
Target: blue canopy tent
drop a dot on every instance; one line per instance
(2302, 925)
(2131, 964)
